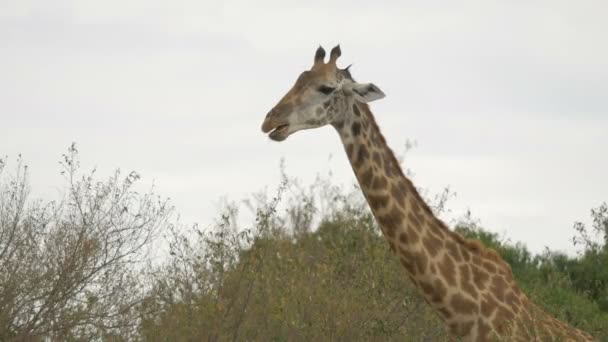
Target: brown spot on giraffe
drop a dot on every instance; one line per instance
(367, 177)
(362, 156)
(434, 293)
(409, 237)
(356, 129)
(490, 267)
(403, 239)
(465, 281)
(349, 150)
(356, 110)
(377, 158)
(391, 221)
(461, 328)
(499, 287)
(439, 291)
(377, 201)
(413, 203)
(446, 268)
(426, 287)
(462, 305)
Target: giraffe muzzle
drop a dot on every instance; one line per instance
(277, 129)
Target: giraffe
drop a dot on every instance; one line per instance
(472, 290)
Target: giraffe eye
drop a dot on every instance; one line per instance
(326, 90)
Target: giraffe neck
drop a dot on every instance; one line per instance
(450, 272)
(470, 287)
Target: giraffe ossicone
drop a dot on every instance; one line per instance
(470, 287)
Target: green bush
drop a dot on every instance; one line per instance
(312, 265)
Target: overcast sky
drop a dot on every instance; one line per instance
(507, 100)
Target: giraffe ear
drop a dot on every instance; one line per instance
(367, 92)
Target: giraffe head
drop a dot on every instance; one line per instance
(319, 97)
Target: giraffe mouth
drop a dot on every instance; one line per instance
(280, 133)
